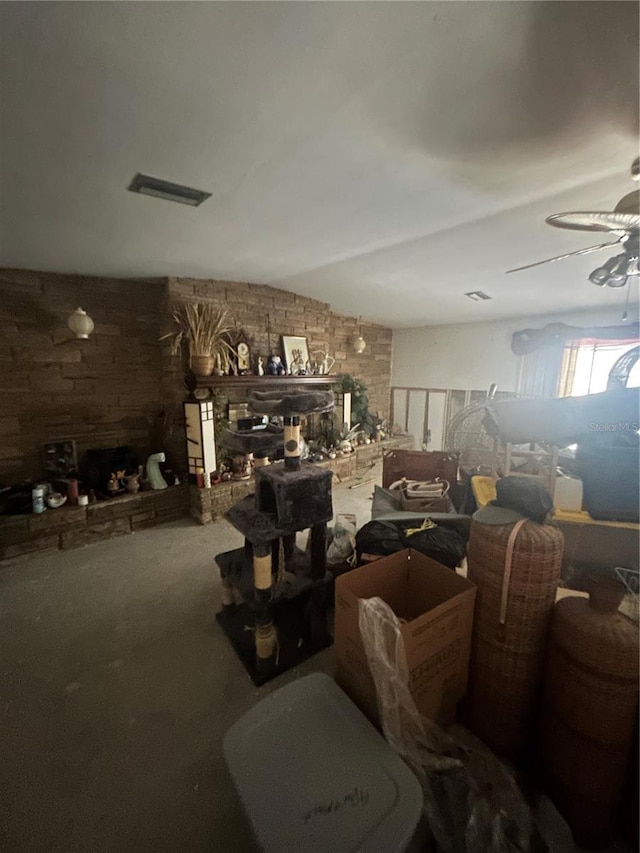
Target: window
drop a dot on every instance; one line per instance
(587, 364)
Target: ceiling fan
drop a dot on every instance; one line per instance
(623, 220)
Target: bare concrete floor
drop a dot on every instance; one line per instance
(117, 687)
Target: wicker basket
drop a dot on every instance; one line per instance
(513, 607)
(590, 710)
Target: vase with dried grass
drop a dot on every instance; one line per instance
(205, 329)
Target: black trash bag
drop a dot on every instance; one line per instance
(444, 546)
(526, 495)
(379, 537)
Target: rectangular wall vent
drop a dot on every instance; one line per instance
(477, 296)
(158, 188)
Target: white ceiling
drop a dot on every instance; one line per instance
(384, 157)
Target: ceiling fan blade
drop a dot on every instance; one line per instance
(586, 251)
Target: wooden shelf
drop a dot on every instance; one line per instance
(252, 381)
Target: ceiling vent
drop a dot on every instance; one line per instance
(146, 185)
(478, 296)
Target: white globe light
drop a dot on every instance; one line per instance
(360, 344)
(80, 323)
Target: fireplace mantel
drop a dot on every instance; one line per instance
(252, 381)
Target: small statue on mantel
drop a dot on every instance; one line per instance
(154, 473)
(260, 366)
(275, 367)
(113, 486)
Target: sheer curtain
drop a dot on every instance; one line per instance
(549, 357)
(541, 371)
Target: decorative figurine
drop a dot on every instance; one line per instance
(240, 468)
(217, 370)
(275, 366)
(260, 366)
(154, 473)
(113, 486)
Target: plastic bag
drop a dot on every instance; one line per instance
(471, 803)
(343, 540)
(382, 537)
(379, 537)
(447, 547)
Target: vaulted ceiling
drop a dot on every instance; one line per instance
(384, 157)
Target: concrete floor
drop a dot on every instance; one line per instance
(117, 688)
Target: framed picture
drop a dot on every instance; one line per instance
(296, 354)
(60, 458)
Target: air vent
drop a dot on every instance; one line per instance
(478, 296)
(158, 188)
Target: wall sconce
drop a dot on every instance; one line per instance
(359, 344)
(80, 324)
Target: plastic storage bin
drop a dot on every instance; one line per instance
(314, 775)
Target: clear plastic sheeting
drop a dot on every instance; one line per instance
(471, 803)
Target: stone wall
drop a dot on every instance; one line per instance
(113, 388)
(289, 314)
(101, 392)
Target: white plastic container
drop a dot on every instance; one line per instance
(314, 776)
(568, 493)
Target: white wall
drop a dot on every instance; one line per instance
(473, 355)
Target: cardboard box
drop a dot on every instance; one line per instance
(437, 605)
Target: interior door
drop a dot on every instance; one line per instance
(399, 413)
(435, 425)
(417, 411)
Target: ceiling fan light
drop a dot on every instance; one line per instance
(621, 266)
(601, 275)
(616, 281)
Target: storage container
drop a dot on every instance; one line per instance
(314, 776)
(590, 709)
(516, 571)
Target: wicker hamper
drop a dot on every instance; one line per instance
(590, 710)
(516, 568)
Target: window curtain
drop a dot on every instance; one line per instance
(541, 371)
(548, 356)
(568, 369)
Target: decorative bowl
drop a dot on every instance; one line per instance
(55, 499)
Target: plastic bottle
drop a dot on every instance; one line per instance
(37, 500)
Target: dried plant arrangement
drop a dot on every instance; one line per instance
(205, 329)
